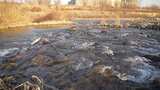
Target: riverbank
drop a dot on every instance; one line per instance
(41, 24)
(24, 15)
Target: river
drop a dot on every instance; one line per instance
(88, 58)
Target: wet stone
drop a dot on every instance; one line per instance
(41, 60)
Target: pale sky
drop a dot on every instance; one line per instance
(142, 2)
(65, 1)
(150, 2)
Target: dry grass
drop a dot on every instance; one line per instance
(21, 14)
(35, 9)
(24, 14)
(11, 14)
(52, 15)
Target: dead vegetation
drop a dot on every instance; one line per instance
(35, 9)
(35, 84)
(11, 14)
(53, 15)
(17, 14)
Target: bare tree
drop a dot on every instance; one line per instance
(84, 2)
(154, 7)
(44, 2)
(57, 3)
(103, 4)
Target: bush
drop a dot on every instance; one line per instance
(54, 15)
(47, 17)
(36, 9)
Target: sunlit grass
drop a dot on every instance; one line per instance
(11, 14)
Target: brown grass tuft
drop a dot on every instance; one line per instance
(36, 9)
(53, 15)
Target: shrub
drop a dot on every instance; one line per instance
(36, 9)
(46, 17)
(53, 15)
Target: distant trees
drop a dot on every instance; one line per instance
(84, 2)
(44, 2)
(13, 1)
(154, 7)
(40, 2)
(72, 2)
(57, 2)
(6, 0)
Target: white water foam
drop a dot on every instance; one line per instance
(5, 52)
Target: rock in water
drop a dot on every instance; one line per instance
(41, 60)
(85, 45)
(108, 51)
(45, 41)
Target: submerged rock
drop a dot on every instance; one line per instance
(84, 63)
(85, 45)
(45, 41)
(108, 71)
(141, 70)
(42, 60)
(101, 77)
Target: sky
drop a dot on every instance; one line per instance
(150, 2)
(65, 1)
(142, 2)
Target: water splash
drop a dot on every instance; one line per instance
(9, 52)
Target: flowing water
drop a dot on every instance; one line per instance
(89, 58)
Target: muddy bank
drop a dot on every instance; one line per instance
(86, 59)
(41, 24)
